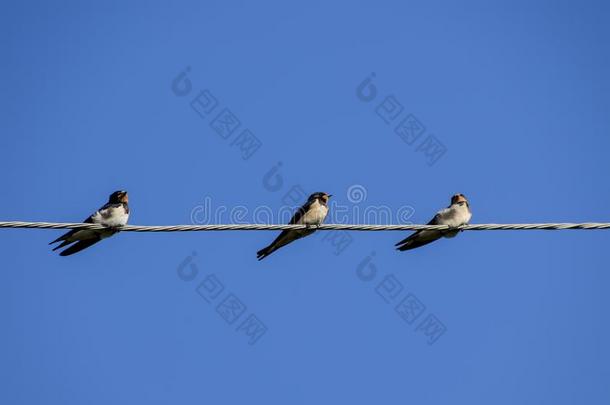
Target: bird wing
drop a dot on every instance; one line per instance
(298, 215)
(287, 235)
(421, 237)
(69, 234)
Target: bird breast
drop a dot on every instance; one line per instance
(460, 215)
(316, 214)
(112, 216)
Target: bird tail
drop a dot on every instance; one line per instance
(261, 254)
(62, 244)
(78, 246)
(57, 240)
(412, 244)
(416, 240)
(63, 237)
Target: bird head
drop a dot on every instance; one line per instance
(320, 196)
(458, 198)
(119, 197)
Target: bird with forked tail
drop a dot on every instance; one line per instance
(457, 214)
(312, 213)
(112, 215)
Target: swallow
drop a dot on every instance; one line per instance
(113, 215)
(312, 213)
(457, 214)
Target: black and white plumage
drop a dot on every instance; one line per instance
(457, 214)
(313, 212)
(113, 215)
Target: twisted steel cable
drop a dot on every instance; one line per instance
(324, 227)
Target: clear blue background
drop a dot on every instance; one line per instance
(518, 94)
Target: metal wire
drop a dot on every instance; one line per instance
(324, 227)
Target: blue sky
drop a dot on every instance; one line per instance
(515, 97)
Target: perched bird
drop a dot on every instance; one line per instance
(312, 213)
(457, 214)
(113, 215)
